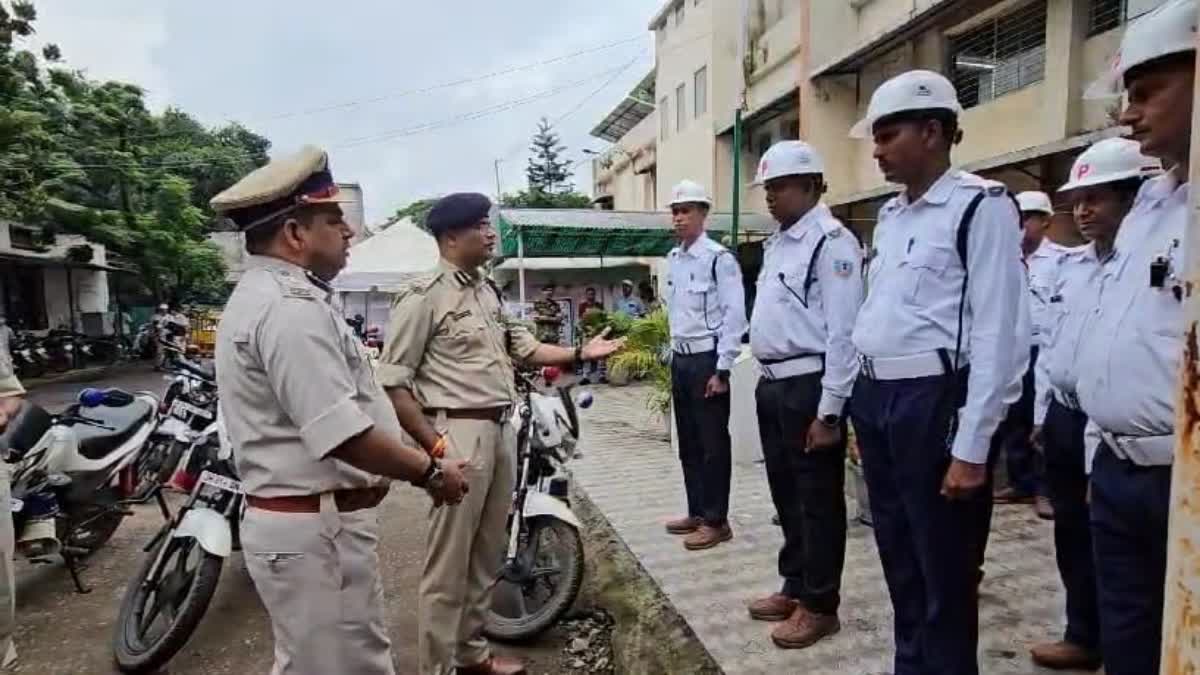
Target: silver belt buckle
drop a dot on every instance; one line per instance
(868, 366)
(766, 370)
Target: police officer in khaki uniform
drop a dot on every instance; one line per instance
(12, 394)
(315, 438)
(448, 367)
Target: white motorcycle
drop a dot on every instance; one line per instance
(544, 563)
(74, 473)
(166, 600)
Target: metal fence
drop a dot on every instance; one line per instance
(1002, 55)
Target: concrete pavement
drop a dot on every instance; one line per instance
(633, 478)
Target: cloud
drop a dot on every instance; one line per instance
(272, 68)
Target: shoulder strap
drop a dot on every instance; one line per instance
(500, 299)
(810, 277)
(960, 243)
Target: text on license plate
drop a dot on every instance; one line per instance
(182, 409)
(223, 482)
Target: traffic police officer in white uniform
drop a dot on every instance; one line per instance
(707, 313)
(315, 437)
(925, 320)
(1129, 356)
(1103, 183)
(809, 291)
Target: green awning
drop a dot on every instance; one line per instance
(593, 233)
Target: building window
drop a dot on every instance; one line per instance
(664, 116)
(791, 130)
(762, 143)
(679, 14)
(680, 107)
(1105, 15)
(1001, 56)
(700, 91)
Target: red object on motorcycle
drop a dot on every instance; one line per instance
(550, 374)
(128, 482)
(182, 481)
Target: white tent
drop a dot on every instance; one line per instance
(383, 262)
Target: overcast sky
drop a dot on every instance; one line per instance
(334, 74)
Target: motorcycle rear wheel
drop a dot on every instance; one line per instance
(511, 619)
(192, 593)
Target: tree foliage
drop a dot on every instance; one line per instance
(548, 176)
(417, 211)
(85, 157)
(536, 199)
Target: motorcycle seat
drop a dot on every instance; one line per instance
(197, 370)
(94, 442)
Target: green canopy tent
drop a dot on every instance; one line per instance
(594, 233)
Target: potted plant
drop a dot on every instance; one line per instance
(644, 358)
(594, 322)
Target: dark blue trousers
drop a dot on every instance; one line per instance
(931, 548)
(1025, 473)
(705, 449)
(1129, 511)
(1067, 483)
(808, 489)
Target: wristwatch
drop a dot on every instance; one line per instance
(831, 420)
(433, 478)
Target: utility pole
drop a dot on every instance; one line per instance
(743, 38)
(499, 190)
(1181, 611)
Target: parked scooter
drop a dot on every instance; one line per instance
(73, 473)
(169, 595)
(543, 567)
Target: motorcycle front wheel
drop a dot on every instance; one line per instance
(536, 590)
(164, 604)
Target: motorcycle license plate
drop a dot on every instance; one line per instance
(183, 409)
(15, 504)
(223, 482)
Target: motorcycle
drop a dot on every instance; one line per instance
(168, 597)
(26, 363)
(188, 405)
(543, 566)
(72, 473)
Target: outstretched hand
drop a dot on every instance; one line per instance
(600, 346)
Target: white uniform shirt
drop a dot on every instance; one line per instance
(914, 285)
(1129, 355)
(700, 307)
(802, 311)
(1072, 301)
(1045, 270)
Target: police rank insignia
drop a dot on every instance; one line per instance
(843, 268)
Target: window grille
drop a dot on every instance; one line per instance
(1001, 56)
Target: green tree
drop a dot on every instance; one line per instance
(548, 171)
(85, 157)
(417, 211)
(536, 199)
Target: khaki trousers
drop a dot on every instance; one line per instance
(465, 547)
(8, 587)
(318, 575)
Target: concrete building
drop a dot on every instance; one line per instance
(811, 66)
(1020, 67)
(59, 284)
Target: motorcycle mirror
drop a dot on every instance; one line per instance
(550, 374)
(90, 397)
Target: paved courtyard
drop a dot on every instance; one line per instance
(630, 473)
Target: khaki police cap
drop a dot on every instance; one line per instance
(281, 186)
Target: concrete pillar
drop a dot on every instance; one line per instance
(1066, 27)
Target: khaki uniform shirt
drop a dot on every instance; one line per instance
(446, 342)
(295, 384)
(9, 384)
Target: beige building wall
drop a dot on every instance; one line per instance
(685, 143)
(626, 171)
(1036, 115)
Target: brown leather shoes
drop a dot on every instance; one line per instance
(707, 536)
(1043, 508)
(496, 665)
(774, 607)
(804, 629)
(1009, 495)
(1064, 655)
(685, 525)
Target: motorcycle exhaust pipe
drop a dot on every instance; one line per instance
(39, 540)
